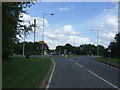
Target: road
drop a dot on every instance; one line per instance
(82, 72)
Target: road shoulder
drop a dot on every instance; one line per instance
(107, 62)
(46, 78)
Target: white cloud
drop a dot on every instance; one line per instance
(26, 17)
(64, 9)
(39, 21)
(63, 35)
(107, 24)
(66, 29)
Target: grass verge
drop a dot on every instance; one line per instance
(24, 73)
(113, 60)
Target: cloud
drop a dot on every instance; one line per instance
(63, 35)
(64, 9)
(39, 21)
(107, 24)
(66, 29)
(25, 17)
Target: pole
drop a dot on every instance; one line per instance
(109, 55)
(34, 33)
(24, 44)
(97, 42)
(43, 35)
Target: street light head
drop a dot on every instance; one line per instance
(52, 14)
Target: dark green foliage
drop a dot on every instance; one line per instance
(60, 49)
(115, 47)
(10, 20)
(69, 48)
(30, 48)
(86, 49)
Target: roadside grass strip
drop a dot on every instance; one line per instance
(113, 60)
(24, 73)
(54, 65)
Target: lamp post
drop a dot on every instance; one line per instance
(24, 43)
(97, 42)
(34, 35)
(43, 32)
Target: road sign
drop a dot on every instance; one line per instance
(41, 42)
(45, 46)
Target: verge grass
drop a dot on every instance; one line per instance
(24, 73)
(113, 60)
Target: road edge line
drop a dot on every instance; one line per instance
(54, 65)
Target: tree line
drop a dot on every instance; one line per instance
(31, 48)
(85, 49)
(89, 49)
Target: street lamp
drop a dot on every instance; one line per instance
(24, 43)
(97, 42)
(43, 31)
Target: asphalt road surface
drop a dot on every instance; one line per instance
(83, 72)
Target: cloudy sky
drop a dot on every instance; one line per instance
(73, 22)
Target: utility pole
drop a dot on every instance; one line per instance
(43, 36)
(34, 34)
(43, 32)
(97, 42)
(24, 43)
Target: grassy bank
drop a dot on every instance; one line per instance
(113, 60)
(24, 73)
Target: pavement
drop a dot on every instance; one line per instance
(82, 72)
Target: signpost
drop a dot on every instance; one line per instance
(41, 42)
(109, 53)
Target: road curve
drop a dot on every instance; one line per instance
(82, 72)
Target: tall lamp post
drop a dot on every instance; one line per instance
(97, 42)
(24, 43)
(34, 35)
(43, 31)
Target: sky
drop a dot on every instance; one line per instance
(75, 23)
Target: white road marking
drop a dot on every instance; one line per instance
(51, 75)
(80, 65)
(104, 80)
(76, 63)
(71, 60)
(97, 75)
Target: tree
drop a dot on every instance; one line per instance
(69, 48)
(10, 19)
(115, 47)
(88, 49)
(60, 49)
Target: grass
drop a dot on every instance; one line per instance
(24, 73)
(113, 60)
(64, 56)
